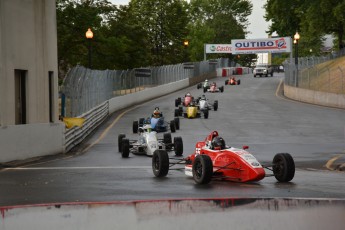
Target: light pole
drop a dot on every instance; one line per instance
(295, 41)
(89, 36)
(186, 44)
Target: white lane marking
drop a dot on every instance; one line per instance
(76, 168)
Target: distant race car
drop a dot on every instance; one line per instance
(157, 123)
(232, 81)
(191, 111)
(204, 85)
(203, 104)
(184, 101)
(214, 160)
(214, 89)
(148, 142)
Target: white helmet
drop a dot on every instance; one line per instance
(147, 128)
(206, 80)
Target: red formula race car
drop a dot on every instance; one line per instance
(212, 160)
(185, 101)
(213, 88)
(232, 81)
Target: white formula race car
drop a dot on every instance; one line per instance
(204, 104)
(148, 142)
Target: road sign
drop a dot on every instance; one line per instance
(188, 65)
(142, 72)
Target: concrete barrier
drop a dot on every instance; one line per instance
(128, 100)
(19, 142)
(315, 97)
(230, 213)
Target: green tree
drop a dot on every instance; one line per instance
(165, 23)
(217, 21)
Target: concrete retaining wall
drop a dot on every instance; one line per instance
(128, 100)
(315, 97)
(19, 142)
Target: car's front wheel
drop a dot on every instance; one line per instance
(160, 163)
(283, 167)
(202, 169)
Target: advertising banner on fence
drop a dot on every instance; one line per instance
(267, 45)
(218, 48)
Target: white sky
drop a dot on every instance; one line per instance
(257, 26)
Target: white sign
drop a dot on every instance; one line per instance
(267, 45)
(218, 48)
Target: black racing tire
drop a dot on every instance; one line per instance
(198, 86)
(176, 112)
(177, 123)
(206, 113)
(254, 75)
(141, 122)
(172, 126)
(238, 82)
(221, 89)
(226, 82)
(178, 146)
(119, 141)
(215, 105)
(135, 126)
(177, 102)
(160, 163)
(125, 148)
(180, 109)
(283, 167)
(167, 138)
(202, 169)
(205, 89)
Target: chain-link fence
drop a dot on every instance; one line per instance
(83, 89)
(325, 73)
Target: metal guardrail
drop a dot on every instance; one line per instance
(94, 117)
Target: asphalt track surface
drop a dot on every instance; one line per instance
(253, 113)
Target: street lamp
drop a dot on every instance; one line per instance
(89, 36)
(186, 44)
(295, 41)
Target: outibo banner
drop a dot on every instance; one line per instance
(218, 48)
(267, 45)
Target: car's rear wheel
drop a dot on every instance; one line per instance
(202, 169)
(178, 146)
(221, 89)
(160, 163)
(119, 141)
(177, 122)
(215, 105)
(226, 82)
(167, 138)
(176, 113)
(141, 121)
(125, 148)
(172, 126)
(238, 82)
(135, 126)
(283, 167)
(206, 114)
(176, 102)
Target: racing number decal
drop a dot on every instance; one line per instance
(197, 151)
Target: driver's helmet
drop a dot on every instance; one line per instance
(206, 80)
(147, 128)
(188, 95)
(218, 143)
(156, 113)
(192, 104)
(203, 97)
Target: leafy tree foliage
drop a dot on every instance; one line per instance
(312, 18)
(145, 32)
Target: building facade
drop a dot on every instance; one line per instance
(29, 125)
